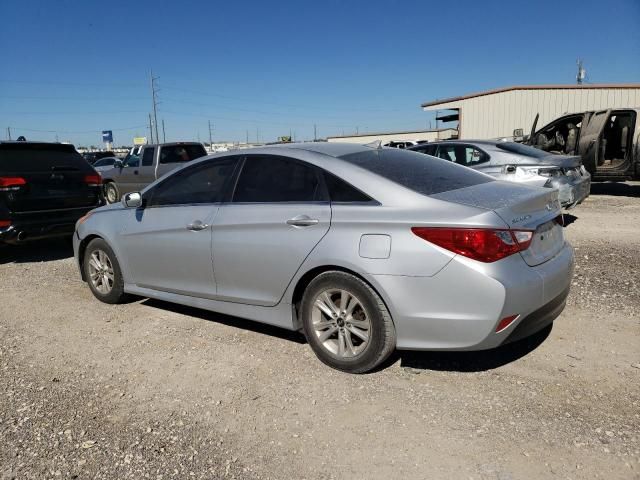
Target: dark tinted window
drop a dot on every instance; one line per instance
(204, 183)
(426, 149)
(181, 153)
(420, 173)
(34, 157)
(277, 179)
(341, 191)
(147, 157)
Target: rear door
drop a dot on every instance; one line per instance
(278, 214)
(54, 176)
(590, 144)
(146, 172)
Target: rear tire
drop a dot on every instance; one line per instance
(111, 193)
(102, 272)
(346, 323)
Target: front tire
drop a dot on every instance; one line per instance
(346, 323)
(111, 193)
(102, 272)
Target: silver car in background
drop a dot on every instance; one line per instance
(363, 249)
(514, 162)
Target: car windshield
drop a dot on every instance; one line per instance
(520, 149)
(421, 173)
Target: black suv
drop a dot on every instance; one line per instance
(44, 189)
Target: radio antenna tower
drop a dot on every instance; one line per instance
(582, 73)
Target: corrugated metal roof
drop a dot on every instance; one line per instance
(535, 87)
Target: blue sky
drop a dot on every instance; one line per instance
(78, 67)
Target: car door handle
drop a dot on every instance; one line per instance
(302, 221)
(197, 226)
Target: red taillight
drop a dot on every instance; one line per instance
(11, 183)
(93, 179)
(5, 223)
(484, 245)
(505, 322)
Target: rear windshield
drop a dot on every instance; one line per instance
(181, 153)
(419, 172)
(520, 149)
(37, 157)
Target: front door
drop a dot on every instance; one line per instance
(278, 214)
(167, 243)
(590, 145)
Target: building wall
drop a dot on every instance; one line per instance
(429, 135)
(498, 114)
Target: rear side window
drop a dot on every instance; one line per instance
(34, 157)
(341, 191)
(205, 183)
(147, 157)
(181, 153)
(421, 173)
(271, 179)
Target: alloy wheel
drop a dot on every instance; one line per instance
(341, 323)
(101, 272)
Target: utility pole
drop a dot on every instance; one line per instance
(315, 133)
(257, 134)
(357, 130)
(210, 141)
(151, 130)
(155, 104)
(9, 132)
(164, 135)
(247, 142)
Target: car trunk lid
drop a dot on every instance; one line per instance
(521, 208)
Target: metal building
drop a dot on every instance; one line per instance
(417, 135)
(497, 113)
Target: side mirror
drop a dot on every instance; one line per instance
(118, 163)
(132, 200)
(518, 135)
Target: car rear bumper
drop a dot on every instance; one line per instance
(460, 307)
(572, 190)
(43, 224)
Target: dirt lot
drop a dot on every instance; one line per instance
(152, 390)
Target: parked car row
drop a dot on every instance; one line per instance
(364, 249)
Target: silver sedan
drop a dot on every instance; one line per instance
(514, 162)
(363, 249)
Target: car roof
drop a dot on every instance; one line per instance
(337, 149)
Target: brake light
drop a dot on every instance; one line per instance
(482, 244)
(11, 183)
(5, 223)
(505, 322)
(93, 179)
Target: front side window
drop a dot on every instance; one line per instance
(147, 157)
(271, 179)
(205, 183)
(132, 161)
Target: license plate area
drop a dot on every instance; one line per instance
(548, 240)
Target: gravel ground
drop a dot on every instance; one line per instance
(153, 390)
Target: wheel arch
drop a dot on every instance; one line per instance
(304, 281)
(82, 247)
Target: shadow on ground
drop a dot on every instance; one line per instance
(472, 361)
(37, 251)
(618, 189)
(237, 322)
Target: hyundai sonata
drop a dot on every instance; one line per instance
(363, 249)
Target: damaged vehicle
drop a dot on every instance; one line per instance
(608, 141)
(518, 163)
